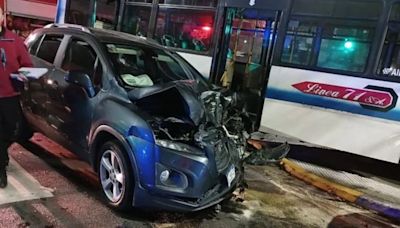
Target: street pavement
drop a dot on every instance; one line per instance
(71, 198)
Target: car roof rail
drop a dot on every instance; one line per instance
(56, 25)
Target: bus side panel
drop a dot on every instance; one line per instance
(202, 63)
(350, 114)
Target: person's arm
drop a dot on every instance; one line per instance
(24, 59)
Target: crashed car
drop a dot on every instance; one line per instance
(152, 128)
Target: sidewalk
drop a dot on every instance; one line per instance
(376, 195)
(22, 186)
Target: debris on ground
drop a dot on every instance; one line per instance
(238, 194)
(262, 154)
(217, 208)
(257, 144)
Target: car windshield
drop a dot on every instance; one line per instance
(146, 66)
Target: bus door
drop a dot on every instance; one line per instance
(245, 54)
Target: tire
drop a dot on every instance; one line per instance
(115, 176)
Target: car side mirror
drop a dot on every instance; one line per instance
(82, 80)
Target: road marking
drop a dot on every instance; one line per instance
(21, 186)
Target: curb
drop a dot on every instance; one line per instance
(348, 194)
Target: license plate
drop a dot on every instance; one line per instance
(230, 176)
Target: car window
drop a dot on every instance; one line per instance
(49, 46)
(169, 67)
(142, 67)
(34, 44)
(80, 56)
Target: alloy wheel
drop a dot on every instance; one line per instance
(112, 176)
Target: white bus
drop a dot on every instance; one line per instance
(332, 73)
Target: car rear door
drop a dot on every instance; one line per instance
(35, 96)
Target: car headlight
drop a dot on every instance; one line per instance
(179, 147)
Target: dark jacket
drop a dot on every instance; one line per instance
(13, 55)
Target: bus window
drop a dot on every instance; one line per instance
(144, 1)
(106, 14)
(395, 13)
(344, 48)
(338, 9)
(136, 20)
(298, 43)
(185, 28)
(331, 34)
(390, 60)
(190, 2)
(389, 64)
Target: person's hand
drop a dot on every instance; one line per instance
(22, 78)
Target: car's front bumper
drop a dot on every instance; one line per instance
(144, 199)
(204, 185)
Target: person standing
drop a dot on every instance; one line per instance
(13, 55)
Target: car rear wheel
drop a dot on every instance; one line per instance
(115, 176)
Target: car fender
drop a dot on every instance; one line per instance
(93, 143)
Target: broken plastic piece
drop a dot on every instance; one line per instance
(268, 155)
(256, 143)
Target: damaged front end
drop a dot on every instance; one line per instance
(222, 128)
(199, 140)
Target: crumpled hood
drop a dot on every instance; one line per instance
(193, 120)
(178, 99)
(216, 105)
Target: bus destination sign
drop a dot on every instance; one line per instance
(374, 97)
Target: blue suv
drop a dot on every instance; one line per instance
(157, 134)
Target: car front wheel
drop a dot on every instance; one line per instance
(115, 175)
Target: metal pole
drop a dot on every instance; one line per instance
(5, 13)
(60, 16)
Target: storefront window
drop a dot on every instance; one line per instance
(136, 20)
(24, 26)
(186, 29)
(79, 12)
(106, 14)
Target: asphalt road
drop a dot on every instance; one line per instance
(273, 199)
